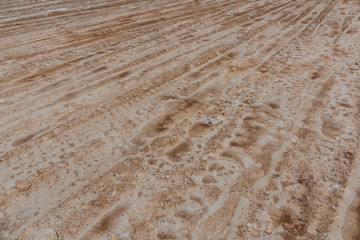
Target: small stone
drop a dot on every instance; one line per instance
(23, 185)
(211, 120)
(250, 230)
(349, 155)
(268, 228)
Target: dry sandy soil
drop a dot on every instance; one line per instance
(170, 119)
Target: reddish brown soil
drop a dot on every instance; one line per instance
(180, 119)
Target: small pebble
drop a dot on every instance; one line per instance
(23, 185)
(268, 228)
(248, 101)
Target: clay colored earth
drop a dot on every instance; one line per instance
(167, 119)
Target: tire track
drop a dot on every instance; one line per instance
(210, 118)
(132, 64)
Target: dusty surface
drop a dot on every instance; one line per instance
(180, 119)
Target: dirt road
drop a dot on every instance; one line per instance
(180, 119)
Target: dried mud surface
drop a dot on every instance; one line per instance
(180, 119)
